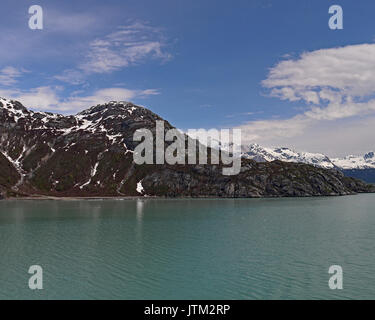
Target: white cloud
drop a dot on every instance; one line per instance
(47, 98)
(129, 45)
(336, 87)
(71, 76)
(258, 130)
(335, 139)
(9, 75)
(338, 82)
(350, 70)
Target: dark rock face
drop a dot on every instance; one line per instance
(91, 154)
(275, 179)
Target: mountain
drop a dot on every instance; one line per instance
(356, 162)
(91, 154)
(361, 167)
(262, 154)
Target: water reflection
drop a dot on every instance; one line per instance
(139, 218)
(140, 206)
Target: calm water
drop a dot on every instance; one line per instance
(188, 249)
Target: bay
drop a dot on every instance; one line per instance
(188, 248)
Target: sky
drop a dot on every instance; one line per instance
(272, 68)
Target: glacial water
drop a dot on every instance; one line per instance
(188, 249)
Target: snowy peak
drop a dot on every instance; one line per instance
(13, 108)
(356, 162)
(16, 114)
(97, 119)
(263, 154)
(99, 139)
(111, 106)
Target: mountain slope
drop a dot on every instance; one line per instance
(91, 154)
(361, 167)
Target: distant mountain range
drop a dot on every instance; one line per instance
(90, 154)
(362, 167)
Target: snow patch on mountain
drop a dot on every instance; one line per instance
(264, 154)
(140, 187)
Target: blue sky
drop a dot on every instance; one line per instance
(201, 64)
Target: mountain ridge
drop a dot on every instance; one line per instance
(91, 154)
(260, 153)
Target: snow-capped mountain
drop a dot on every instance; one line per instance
(88, 153)
(356, 162)
(263, 154)
(91, 154)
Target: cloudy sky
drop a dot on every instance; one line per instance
(273, 68)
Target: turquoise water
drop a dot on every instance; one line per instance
(189, 249)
